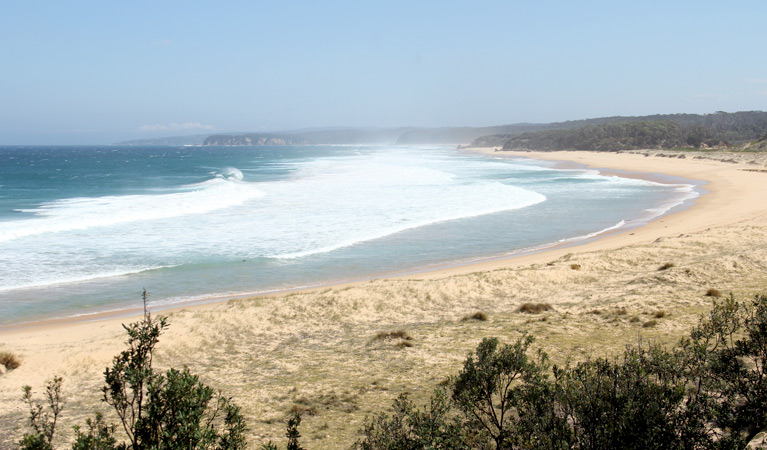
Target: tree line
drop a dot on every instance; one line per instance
(719, 130)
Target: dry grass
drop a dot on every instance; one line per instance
(9, 360)
(534, 308)
(666, 266)
(575, 266)
(659, 314)
(479, 316)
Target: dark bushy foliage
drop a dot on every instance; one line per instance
(643, 132)
(710, 392)
(99, 436)
(157, 411)
(408, 428)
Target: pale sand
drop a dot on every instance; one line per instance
(315, 350)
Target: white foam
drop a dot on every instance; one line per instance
(24, 282)
(584, 237)
(325, 205)
(345, 202)
(89, 212)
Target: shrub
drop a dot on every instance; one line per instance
(100, 436)
(713, 293)
(659, 314)
(666, 266)
(650, 323)
(410, 428)
(9, 360)
(392, 335)
(534, 308)
(575, 266)
(292, 434)
(479, 316)
(170, 410)
(42, 419)
(157, 411)
(491, 391)
(708, 393)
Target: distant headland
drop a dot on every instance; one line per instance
(722, 130)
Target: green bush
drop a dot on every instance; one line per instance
(157, 411)
(42, 418)
(709, 392)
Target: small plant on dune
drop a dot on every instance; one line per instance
(99, 436)
(9, 360)
(659, 314)
(534, 308)
(292, 434)
(713, 293)
(479, 316)
(650, 323)
(575, 266)
(666, 266)
(42, 419)
(392, 335)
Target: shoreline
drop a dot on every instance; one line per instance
(316, 350)
(606, 163)
(511, 259)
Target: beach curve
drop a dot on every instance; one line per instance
(299, 343)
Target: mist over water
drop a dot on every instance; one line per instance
(85, 229)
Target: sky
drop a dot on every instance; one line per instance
(98, 72)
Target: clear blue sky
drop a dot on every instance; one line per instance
(101, 71)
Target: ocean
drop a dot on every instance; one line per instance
(86, 229)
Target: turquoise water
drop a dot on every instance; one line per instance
(85, 229)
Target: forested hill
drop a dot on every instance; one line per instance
(719, 130)
(367, 136)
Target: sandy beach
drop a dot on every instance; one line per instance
(315, 351)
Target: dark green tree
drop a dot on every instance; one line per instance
(497, 384)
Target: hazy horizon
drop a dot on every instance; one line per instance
(99, 73)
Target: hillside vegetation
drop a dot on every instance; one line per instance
(719, 130)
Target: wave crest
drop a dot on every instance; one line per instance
(88, 212)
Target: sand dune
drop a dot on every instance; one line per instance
(316, 351)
